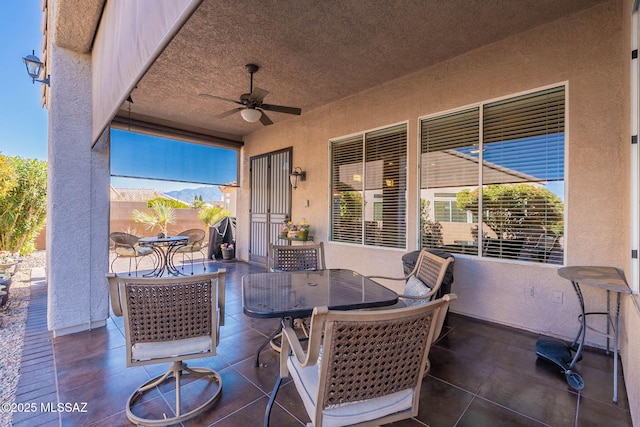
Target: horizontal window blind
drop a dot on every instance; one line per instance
(385, 153)
(523, 151)
(519, 154)
(368, 183)
(347, 174)
(449, 159)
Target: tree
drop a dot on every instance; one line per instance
(512, 210)
(162, 216)
(23, 203)
(211, 215)
(8, 176)
(198, 203)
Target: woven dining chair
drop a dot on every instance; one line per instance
(424, 281)
(307, 257)
(361, 367)
(171, 320)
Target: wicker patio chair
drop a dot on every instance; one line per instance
(171, 320)
(307, 257)
(195, 244)
(296, 258)
(424, 281)
(126, 246)
(361, 367)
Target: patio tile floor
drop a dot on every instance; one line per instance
(481, 374)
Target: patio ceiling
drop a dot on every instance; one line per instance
(315, 53)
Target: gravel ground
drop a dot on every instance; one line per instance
(12, 324)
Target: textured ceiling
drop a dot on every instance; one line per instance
(315, 52)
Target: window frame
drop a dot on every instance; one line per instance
(374, 198)
(480, 106)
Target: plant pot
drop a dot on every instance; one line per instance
(292, 234)
(282, 235)
(228, 254)
(303, 234)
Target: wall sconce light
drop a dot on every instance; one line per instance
(296, 176)
(34, 67)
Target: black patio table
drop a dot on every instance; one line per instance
(295, 294)
(164, 248)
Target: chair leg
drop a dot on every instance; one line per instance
(272, 399)
(178, 370)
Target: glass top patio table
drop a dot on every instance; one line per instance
(296, 293)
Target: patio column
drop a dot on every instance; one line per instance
(77, 200)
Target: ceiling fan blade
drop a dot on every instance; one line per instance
(206, 95)
(228, 113)
(258, 94)
(282, 109)
(265, 120)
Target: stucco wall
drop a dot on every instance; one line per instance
(121, 220)
(588, 52)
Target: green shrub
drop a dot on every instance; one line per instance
(23, 204)
(172, 203)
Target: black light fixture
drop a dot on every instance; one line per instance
(296, 176)
(34, 67)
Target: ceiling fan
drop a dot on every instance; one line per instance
(252, 108)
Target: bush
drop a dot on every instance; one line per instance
(172, 203)
(211, 215)
(23, 207)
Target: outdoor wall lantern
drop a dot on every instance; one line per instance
(34, 67)
(296, 176)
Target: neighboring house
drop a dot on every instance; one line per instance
(372, 79)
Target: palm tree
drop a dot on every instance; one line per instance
(163, 215)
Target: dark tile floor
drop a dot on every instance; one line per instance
(482, 374)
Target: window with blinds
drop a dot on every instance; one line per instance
(504, 159)
(368, 186)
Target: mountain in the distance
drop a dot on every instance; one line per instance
(209, 194)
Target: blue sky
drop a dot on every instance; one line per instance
(23, 122)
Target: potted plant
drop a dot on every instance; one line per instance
(227, 251)
(303, 229)
(284, 229)
(292, 230)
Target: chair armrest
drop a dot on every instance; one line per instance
(405, 278)
(290, 341)
(114, 294)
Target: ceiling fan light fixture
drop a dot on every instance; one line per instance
(251, 115)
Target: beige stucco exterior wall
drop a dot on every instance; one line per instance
(77, 200)
(590, 53)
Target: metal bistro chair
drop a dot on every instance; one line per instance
(361, 368)
(195, 244)
(171, 320)
(126, 246)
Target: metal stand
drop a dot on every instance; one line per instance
(556, 351)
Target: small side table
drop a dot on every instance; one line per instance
(611, 280)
